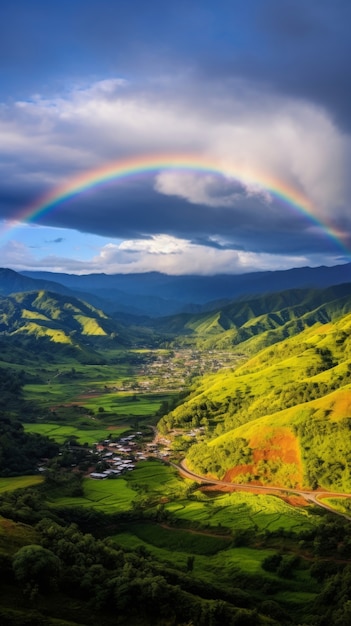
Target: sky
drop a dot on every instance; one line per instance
(260, 90)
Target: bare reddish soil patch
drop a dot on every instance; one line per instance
(270, 447)
(273, 445)
(295, 500)
(234, 472)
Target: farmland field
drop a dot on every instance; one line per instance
(108, 496)
(115, 395)
(63, 433)
(242, 511)
(92, 395)
(126, 404)
(157, 478)
(19, 482)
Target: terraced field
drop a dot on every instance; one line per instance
(109, 496)
(243, 511)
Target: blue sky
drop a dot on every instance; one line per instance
(260, 85)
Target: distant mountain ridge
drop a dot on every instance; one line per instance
(158, 294)
(13, 282)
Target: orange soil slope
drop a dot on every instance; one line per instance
(276, 458)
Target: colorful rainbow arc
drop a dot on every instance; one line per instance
(125, 168)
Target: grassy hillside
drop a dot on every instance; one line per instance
(283, 417)
(258, 322)
(58, 318)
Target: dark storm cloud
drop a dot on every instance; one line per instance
(309, 51)
(297, 47)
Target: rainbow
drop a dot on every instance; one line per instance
(153, 164)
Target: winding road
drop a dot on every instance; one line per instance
(314, 497)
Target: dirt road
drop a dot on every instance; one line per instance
(314, 497)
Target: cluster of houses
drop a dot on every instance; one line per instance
(120, 456)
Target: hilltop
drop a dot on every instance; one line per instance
(258, 321)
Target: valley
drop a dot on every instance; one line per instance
(209, 451)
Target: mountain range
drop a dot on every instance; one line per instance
(157, 294)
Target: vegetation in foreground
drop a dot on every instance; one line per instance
(167, 552)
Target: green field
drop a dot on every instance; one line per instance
(153, 482)
(156, 478)
(109, 496)
(242, 511)
(19, 482)
(127, 404)
(342, 505)
(117, 495)
(115, 388)
(63, 433)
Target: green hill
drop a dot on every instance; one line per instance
(38, 317)
(259, 321)
(284, 416)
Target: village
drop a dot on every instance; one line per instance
(174, 370)
(118, 457)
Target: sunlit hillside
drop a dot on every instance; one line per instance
(62, 319)
(280, 417)
(260, 321)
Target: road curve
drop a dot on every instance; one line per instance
(310, 496)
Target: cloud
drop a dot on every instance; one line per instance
(164, 254)
(297, 48)
(209, 189)
(284, 140)
(45, 141)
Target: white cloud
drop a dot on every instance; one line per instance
(283, 139)
(162, 253)
(209, 189)
(172, 255)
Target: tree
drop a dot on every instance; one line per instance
(35, 566)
